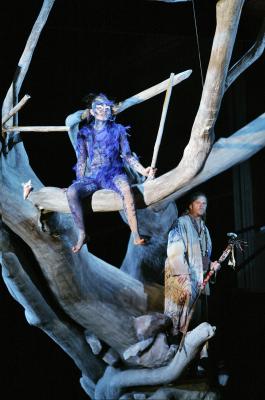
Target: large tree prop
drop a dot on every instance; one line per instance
(83, 303)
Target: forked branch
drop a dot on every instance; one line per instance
(26, 57)
(131, 101)
(248, 59)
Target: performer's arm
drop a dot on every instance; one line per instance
(131, 160)
(136, 165)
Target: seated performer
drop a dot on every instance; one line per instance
(188, 259)
(102, 150)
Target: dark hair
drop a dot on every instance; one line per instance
(194, 196)
(87, 100)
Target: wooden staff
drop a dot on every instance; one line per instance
(233, 241)
(161, 125)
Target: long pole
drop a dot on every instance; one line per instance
(162, 122)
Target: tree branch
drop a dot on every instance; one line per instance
(40, 314)
(136, 99)
(36, 129)
(225, 153)
(202, 136)
(248, 59)
(15, 109)
(25, 59)
(69, 275)
(228, 152)
(150, 92)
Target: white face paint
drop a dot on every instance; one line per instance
(101, 110)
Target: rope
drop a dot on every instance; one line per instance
(197, 40)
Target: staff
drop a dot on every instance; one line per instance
(229, 250)
(161, 125)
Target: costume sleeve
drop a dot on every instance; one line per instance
(126, 153)
(82, 154)
(74, 119)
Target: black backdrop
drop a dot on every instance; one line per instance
(120, 48)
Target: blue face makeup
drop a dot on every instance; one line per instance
(102, 107)
(101, 110)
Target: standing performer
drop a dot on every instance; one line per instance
(102, 150)
(188, 259)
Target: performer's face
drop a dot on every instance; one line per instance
(198, 207)
(101, 110)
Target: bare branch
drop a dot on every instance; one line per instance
(15, 109)
(202, 136)
(136, 99)
(41, 315)
(151, 92)
(82, 284)
(248, 59)
(229, 152)
(225, 154)
(25, 59)
(69, 275)
(36, 129)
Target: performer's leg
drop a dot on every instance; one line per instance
(75, 194)
(123, 188)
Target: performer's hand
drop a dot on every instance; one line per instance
(149, 171)
(215, 266)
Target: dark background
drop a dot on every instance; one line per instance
(121, 48)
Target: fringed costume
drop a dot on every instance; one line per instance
(100, 165)
(102, 150)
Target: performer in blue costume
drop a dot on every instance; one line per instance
(102, 150)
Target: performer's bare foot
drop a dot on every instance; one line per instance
(82, 239)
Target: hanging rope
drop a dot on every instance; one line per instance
(197, 40)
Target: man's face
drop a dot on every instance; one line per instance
(101, 110)
(198, 207)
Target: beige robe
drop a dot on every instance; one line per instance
(184, 269)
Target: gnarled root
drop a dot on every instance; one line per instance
(111, 385)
